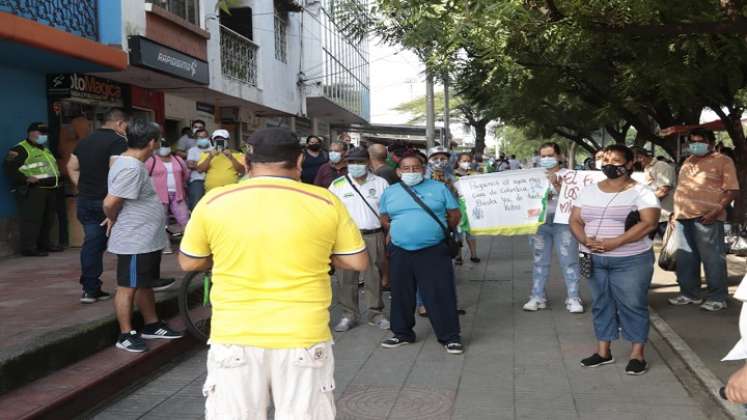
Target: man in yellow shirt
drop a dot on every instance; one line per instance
(270, 241)
(222, 166)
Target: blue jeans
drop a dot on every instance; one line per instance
(567, 249)
(619, 293)
(703, 244)
(195, 191)
(90, 214)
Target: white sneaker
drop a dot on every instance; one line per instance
(535, 304)
(344, 325)
(682, 300)
(574, 305)
(380, 322)
(713, 306)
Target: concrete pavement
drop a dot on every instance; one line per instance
(517, 365)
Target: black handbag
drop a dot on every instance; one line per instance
(634, 217)
(454, 244)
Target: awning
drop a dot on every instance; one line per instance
(717, 125)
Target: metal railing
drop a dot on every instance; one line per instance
(238, 56)
(77, 17)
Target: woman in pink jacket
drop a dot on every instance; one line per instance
(169, 174)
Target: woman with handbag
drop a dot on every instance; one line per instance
(612, 221)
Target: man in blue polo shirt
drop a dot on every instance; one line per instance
(420, 257)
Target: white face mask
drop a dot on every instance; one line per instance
(412, 178)
(465, 165)
(164, 151)
(335, 157)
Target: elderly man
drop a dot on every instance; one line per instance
(378, 154)
(336, 167)
(707, 185)
(420, 257)
(360, 192)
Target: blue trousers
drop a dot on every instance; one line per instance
(90, 213)
(431, 271)
(619, 293)
(567, 249)
(195, 191)
(703, 244)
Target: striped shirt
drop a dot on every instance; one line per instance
(604, 215)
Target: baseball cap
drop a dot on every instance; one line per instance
(221, 133)
(37, 126)
(358, 154)
(438, 150)
(272, 145)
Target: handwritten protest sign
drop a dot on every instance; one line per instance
(505, 203)
(573, 183)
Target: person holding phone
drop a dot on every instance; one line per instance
(221, 165)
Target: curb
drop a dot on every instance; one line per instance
(695, 365)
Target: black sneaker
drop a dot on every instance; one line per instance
(94, 297)
(394, 342)
(636, 367)
(160, 330)
(597, 360)
(454, 348)
(162, 284)
(131, 342)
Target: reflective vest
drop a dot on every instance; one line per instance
(39, 163)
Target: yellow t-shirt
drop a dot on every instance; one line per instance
(221, 170)
(271, 240)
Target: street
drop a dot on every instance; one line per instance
(517, 365)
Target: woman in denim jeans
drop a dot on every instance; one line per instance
(622, 259)
(553, 233)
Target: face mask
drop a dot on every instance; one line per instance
(548, 162)
(614, 171)
(194, 130)
(412, 178)
(164, 151)
(698, 149)
(203, 143)
(465, 165)
(438, 165)
(314, 147)
(598, 164)
(41, 140)
(357, 170)
(335, 157)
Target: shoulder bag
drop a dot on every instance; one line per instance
(352, 184)
(455, 246)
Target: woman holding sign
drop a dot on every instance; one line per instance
(553, 233)
(463, 167)
(612, 220)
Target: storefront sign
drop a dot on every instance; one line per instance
(203, 107)
(146, 53)
(83, 86)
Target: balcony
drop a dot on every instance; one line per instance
(78, 17)
(238, 56)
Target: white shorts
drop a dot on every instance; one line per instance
(240, 379)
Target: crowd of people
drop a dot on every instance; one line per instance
(384, 219)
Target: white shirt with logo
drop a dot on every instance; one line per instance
(372, 189)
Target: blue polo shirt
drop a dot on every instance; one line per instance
(411, 227)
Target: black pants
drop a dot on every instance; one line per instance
(36, 212)
(431, 271)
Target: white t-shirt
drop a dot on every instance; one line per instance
(372, 189)
(604, 215)
(193, 155)
(739, 351)
(170, 181)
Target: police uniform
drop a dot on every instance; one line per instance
(36, 202)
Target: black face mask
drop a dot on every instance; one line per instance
(314, 147)
(614, 171)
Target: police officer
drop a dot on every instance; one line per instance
(34, 175)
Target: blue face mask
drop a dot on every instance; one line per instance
(412, 178)
(203, 143)
(548, 162)
(41, 140)
(698, 149)
(357, 170)
(335, 157)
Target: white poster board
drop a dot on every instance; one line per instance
(505, 203)
(572, 184)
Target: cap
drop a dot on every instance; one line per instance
(358, 154)
(272, 145)
(37, 126)
(221, 133)
(438, 150)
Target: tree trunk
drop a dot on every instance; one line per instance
(733, 125)
(480, 131)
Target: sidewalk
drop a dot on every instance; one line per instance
(517, 365)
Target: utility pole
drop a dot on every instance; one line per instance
(430, 111)
(447, 131)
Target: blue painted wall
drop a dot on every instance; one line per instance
(110, 22)
(24, 100)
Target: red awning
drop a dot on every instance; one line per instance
(717, 125)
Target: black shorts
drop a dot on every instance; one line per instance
(138, 271)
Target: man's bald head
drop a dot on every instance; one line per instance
(377, 152)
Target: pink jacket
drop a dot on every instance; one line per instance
(157, 171)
